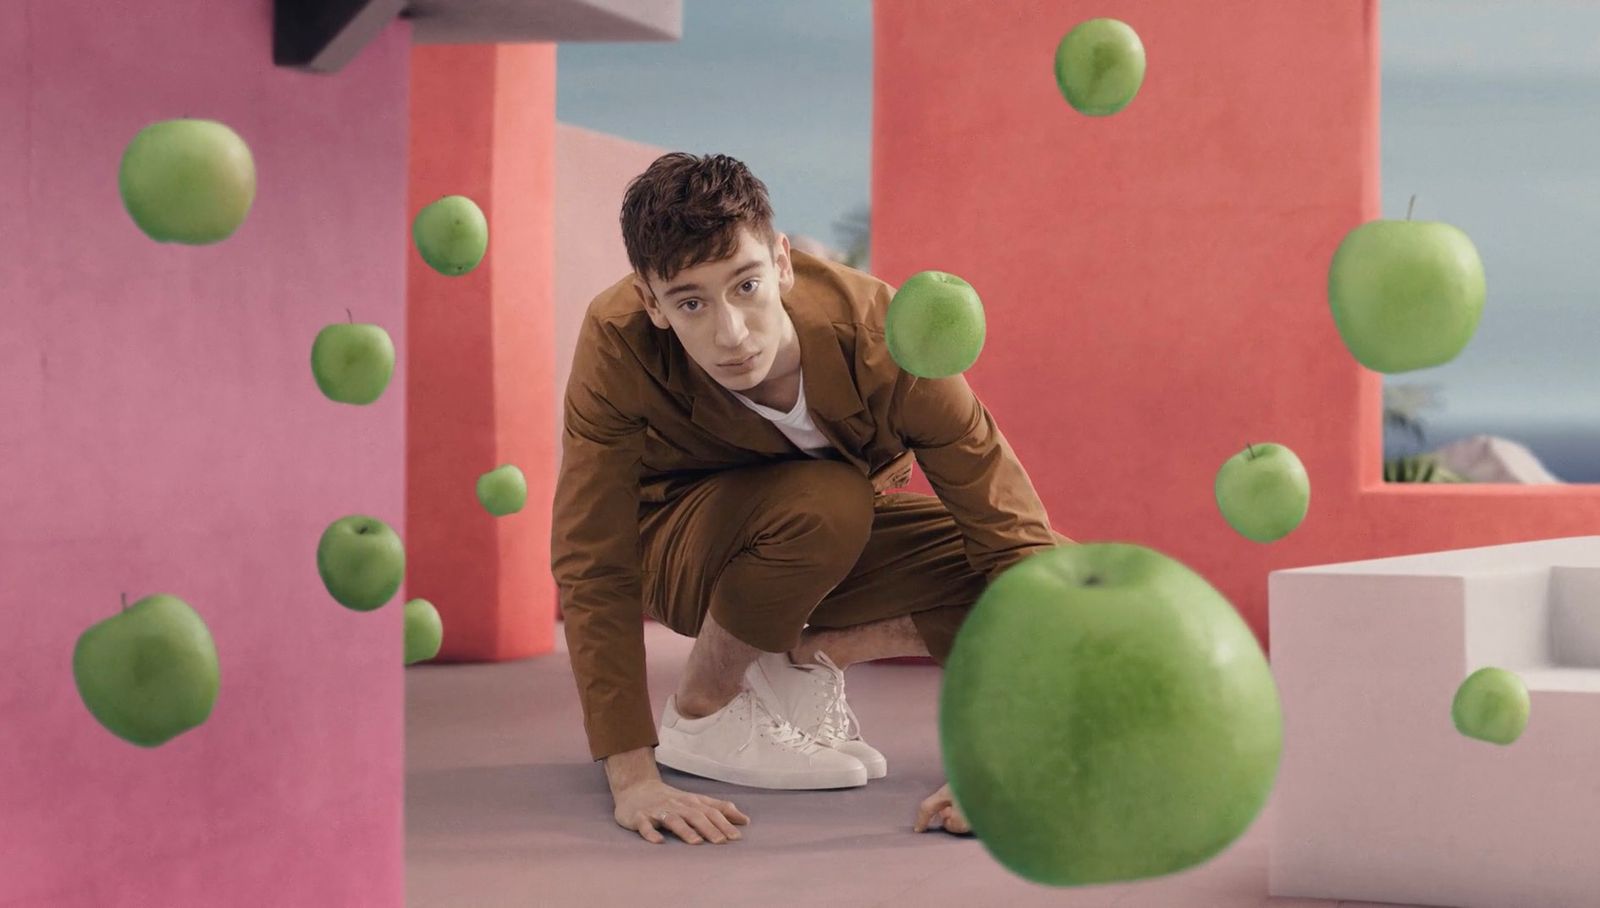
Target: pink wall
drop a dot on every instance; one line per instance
(593, 169)
(592, 172)
(1155, 281)
(161, 432)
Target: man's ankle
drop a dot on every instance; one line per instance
(690, 707)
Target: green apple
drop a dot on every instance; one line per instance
(187, 181)
(352, 363)
(1491, 705)
(1406, 294)
(362, 562)
(1263, 491)
(503, 490)
(935, 326)
(1107, 716)
(148, 673)
(424, 631)
(451, 235)
(1100, 66)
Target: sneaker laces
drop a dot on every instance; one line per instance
(783, 733)
(839, 721)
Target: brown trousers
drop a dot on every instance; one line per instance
(767, 550)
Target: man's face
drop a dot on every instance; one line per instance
(729, 314)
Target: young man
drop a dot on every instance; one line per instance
(733, 427)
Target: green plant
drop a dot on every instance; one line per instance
(855, 231)
(1419, 468)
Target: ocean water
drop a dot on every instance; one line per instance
(1571, 452)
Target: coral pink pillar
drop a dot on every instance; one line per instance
(482, 377)
(160, 432)
(1155, 281)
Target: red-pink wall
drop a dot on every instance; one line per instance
(482, 125)
(1156, 281)
(160, 431)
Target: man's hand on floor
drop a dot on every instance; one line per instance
(942, 804)
(651, 804)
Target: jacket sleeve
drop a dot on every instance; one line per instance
(595, 553)
(974, 471)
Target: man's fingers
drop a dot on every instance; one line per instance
(708, 830)
(725, 808)
(925, 813)
(682, 830)
(733, 813)
(723, 825)
(648, 831)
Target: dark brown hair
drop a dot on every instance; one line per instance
(686, 209)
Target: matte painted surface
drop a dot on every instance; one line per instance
(504, 810)
(160, 431)
(482, 381)
(1155, 281)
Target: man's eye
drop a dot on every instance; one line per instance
(687, 303)
(749, 286)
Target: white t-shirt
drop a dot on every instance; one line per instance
(796, 424)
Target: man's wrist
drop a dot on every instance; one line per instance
(629, 768)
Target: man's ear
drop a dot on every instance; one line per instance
(657, 318)
(781, 258)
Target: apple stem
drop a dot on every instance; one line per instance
(347, 315)
(124, 601)
(1252, 449)
(1411, 206)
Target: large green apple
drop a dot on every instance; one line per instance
(1100, 66)
(362, 562)
(1263, 491)
(424, 631)
(1406, 294)
(503, 490)
(451, 235)
(352, 363)
(1491, 705)
(148, 673)
(935, 326)
(187, 181)
(1107, 716)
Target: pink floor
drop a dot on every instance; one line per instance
(503, 808)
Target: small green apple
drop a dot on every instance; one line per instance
(935, 326)
(424, 631)
(1263, 491)
(1100, 66)
(1491, 705)
(148, 673)
(187, 181)
(362, 562)
(451, 235)
(352, 363)
(1106, 716)
(503, 490)
(1406, 294)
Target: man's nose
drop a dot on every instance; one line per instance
(730, 327)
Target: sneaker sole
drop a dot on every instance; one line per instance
(788, 780)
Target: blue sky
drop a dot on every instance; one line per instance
(784, 86)
(1491, 116)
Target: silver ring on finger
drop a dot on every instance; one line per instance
(661, 817)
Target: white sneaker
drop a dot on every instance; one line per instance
(811, 697)
(744, 744)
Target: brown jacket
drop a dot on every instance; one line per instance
(642, 421)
